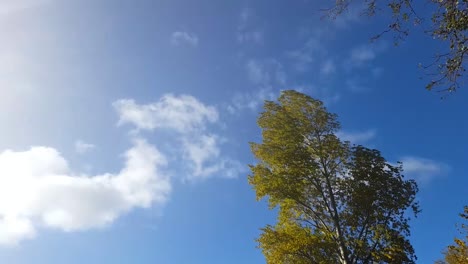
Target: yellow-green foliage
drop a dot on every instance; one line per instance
(458, 252)
(337, 203)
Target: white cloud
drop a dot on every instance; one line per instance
(188, 118)
(182, 37)
(38, 190)
(205, 153)
(182, 113)
(200, 151)
(82, 147)
(423, 170)
(357, 137)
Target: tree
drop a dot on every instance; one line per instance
(337, 203)
(447, 22)
(458, 252)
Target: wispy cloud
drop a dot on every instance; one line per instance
(268, 77)
(181, 38)
(361, 67)
(353, 14)
(251, 100)
(357, 137)
(205, 154)
(250, 37)
(82, 147)
(328, 67)
(313, 55)
(267, 72)
(40, 190)
(361, 55)
(423, 170)
(358, 84)
(189, 119)
(364, 54)
(247, 29)
(311, 52)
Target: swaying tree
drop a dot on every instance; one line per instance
(444, 20)
(337, 203)
(458, 252)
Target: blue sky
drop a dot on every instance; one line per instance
(125, 124)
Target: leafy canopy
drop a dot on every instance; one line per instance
(457, 253)
(337, 203)
(446, 21)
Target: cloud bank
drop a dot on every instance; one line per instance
(38, 189)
